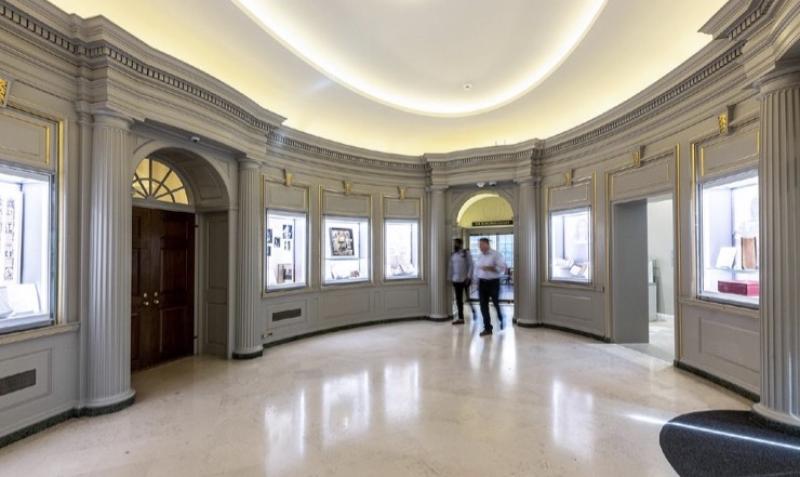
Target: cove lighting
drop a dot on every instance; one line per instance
(325, 63)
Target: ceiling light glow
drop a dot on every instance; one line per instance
(324, 62)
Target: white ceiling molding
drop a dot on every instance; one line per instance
(291, 33)
(100, 53)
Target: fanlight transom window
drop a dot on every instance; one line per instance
(154, 180)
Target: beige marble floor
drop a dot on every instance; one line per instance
(394, 400)
(662, 340)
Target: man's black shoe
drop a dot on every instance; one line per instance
(486, 332)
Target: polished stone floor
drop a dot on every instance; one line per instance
(405, 399)
(662, 340)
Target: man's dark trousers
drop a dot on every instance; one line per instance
(489, 289)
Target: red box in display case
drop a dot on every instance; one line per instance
(738, 287)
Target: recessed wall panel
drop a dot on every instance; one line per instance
(401, 208)
(280, 196)
(25, 139)
(567, 197)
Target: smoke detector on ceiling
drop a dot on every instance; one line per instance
(467, 86)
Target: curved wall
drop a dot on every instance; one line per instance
(69, 72)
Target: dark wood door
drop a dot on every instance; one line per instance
(162, 286)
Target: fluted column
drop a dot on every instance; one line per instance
(526, 272)
(109, 307)
(248, 343)
(437, 281)
(779, 183)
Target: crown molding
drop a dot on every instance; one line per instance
(97, 43)
(94, 53)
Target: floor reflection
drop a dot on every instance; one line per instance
(395, 400)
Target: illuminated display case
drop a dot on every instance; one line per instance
(26, 241)
(401, 254)
(729, 239)
(286, 248)
(570, 245)
(346, 249)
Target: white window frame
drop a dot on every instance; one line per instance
(414, 250)
(306, 269)
(47, 318)
(702, 294)
(324, 236)
(590, 245)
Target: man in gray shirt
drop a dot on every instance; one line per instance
(460, 275)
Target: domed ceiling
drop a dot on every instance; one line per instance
(415, 76)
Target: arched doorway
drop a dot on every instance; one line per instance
(179, 290)
(489, 214)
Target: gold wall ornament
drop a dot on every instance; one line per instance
(401, 191)
(568, 176)
(723, 123)
(724, 120)
(637, 156)
(3, 91)
(348, 187)
(288, 178)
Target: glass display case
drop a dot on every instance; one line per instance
(729, 240)
(286, 246)
(401, 254)
(26, 241)
(346, 249)
(570, 245)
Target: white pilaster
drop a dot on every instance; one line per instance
(109, 307)
(526, 272)
(437, 281)
(779, 183)
(248, 327)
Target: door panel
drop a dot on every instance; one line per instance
(629, 273)
(162, 288)
(215, 258)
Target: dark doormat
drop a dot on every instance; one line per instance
(729, 443)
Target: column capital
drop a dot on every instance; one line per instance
(112, 119)
(248, 163)
(529, 180)
(785, 75)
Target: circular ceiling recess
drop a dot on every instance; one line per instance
(413, 55)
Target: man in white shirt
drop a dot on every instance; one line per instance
(461, 276)
(489, 267)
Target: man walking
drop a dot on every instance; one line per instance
(461, 276)
(489, 267)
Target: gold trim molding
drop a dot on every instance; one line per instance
(5, 87)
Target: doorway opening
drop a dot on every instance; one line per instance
(489, 215)
(181, 250)
(504, 244)
(643, 276)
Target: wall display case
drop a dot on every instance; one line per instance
(570, 245)
(26, 244)
(729, 239)
(347, 251)
(401, 249)
(286, 246)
